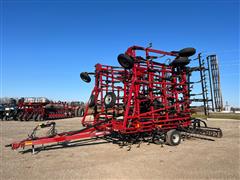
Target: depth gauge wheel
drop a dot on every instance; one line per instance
(180, 61)
(110, 99)
(173, 137)
(125, 61)
(186, 52)
(85, 77)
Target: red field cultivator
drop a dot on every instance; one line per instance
(40, 109)
(143, 100)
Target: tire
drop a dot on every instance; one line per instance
(173, 137)
(180, 61)
(81, 112)
(125, 61)
(85, 77)
(110, 99)
(91, 101)
(186, 52)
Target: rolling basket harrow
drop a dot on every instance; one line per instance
(143, 100)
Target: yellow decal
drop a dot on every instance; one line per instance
(28, 143)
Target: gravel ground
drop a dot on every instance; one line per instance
(192, 159)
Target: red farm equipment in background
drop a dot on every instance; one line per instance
(143, 100)
(40, 109)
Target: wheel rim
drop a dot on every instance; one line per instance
(175, 138)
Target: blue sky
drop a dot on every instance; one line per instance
(46, 44)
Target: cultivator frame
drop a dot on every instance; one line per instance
(147, 96)
(142, 100)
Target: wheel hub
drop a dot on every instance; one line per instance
(175, 138)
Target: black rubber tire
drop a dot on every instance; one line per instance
(186, 52)
(81, 112)
(180, 61)
(110, 99)
(173, 137)
(125, 61)
(85, 77)
(91, 101)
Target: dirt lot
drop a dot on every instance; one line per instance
(192, 159)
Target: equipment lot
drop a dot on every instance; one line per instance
(192, 159)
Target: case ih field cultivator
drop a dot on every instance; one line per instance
(39, 109)
(143, 100)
